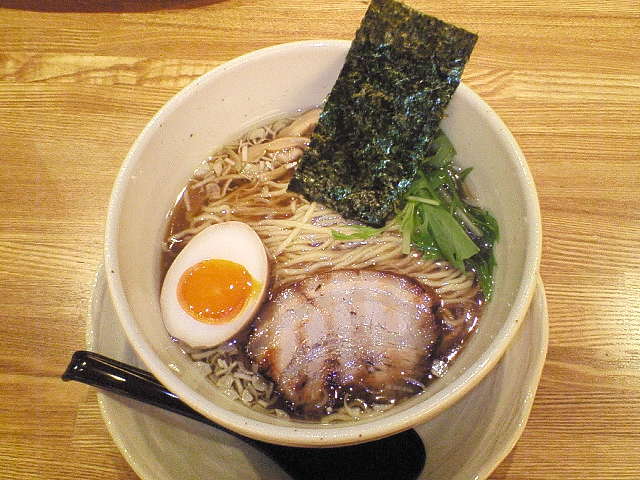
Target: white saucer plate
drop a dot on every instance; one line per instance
(466, 442)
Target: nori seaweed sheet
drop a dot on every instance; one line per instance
(383, 112)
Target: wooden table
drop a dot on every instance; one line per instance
(79, 79)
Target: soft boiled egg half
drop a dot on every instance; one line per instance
(215, 285)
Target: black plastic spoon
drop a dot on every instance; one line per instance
(398, 457)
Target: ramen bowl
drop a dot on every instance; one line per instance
(216, 109)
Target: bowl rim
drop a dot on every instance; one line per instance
(342, 434)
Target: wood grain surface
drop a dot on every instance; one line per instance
(80, 79)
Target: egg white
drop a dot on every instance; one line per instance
(233, 241)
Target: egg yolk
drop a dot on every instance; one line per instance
(215, 291)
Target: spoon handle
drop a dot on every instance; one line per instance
(400, 457)
(117, 377)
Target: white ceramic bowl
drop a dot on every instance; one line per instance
(216, 109)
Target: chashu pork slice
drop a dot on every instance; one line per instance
(348, 330)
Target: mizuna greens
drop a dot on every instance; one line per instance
(439, 221)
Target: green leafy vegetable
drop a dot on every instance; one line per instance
(440, 223)
(444, 152)
(453, 241)
(408, 226)
(361, 232)
(483, 266)
(428, 201)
